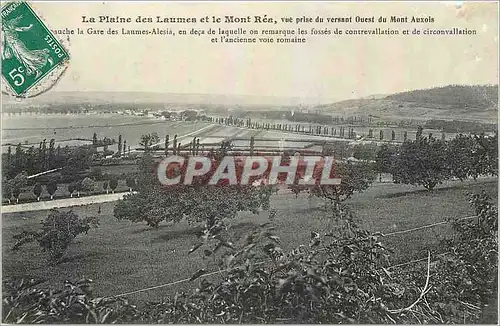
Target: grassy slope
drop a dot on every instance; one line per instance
(121, 256)
(476, 97)
(470, 103)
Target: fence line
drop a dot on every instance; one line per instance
(178, 281)
(259, 263)
(425, 227)
(266, 261)
(416, 261)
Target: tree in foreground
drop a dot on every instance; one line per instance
(7, 189)
(147, 140)
(355, 177)
(18, 183)
(58, 231)
(365, 152)
(384, 160)
(79, 160)
(75, 186)
(113, 183)
(461, 159)
(71, 188)
(51, 188)
(428, 161)
(88, 185)
(105, 186)
(486, 162)
(421, 162)
(198, 202)
(37, 190)
(16, 192)
(470, 156)
(130, 182)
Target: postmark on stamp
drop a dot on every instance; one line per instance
(30, 52)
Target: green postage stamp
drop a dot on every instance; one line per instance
(29, 49)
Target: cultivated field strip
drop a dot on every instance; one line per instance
(240, 138)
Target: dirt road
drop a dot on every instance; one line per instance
(60, 203)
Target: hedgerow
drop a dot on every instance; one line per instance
(428, 161)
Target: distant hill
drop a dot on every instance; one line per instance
(453, 102)
(461, 102)
(460, 96)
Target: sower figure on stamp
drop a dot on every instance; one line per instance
(32, 60)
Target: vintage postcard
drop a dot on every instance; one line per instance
(255, 162)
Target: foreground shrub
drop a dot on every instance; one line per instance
(58, 231)
(341, 276)
(22, 303)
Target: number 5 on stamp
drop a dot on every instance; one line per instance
(29, 49)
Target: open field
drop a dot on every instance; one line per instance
(32, 129)
(121, 257)
(73, 130)
(210, 135)
(67, 129)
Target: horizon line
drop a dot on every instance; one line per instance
(319, 100)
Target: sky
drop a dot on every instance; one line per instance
(329, 67)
